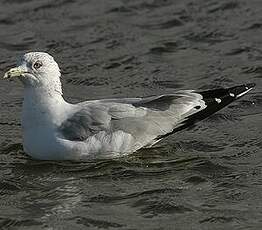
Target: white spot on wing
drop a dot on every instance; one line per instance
(231, 95)
(218, 100)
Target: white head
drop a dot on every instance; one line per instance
(37, 70)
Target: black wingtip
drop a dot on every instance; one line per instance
(215, 100)
(234, 92)
(219, 98)
(239, 91)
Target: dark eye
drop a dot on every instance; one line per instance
(37, 64)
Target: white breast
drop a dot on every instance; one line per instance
(42, 114)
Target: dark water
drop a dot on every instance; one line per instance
(208, 177)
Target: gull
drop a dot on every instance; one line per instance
(54, 129)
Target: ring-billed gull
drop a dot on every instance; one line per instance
(54, 129)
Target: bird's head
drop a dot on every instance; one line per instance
(37, 69)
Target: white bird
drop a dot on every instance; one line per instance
(54, 129)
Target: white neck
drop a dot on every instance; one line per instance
(43, 107)
(43, 112)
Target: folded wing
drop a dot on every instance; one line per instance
(149, 119)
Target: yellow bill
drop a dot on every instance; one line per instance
(14, 72)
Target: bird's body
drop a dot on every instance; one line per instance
(56, 130)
